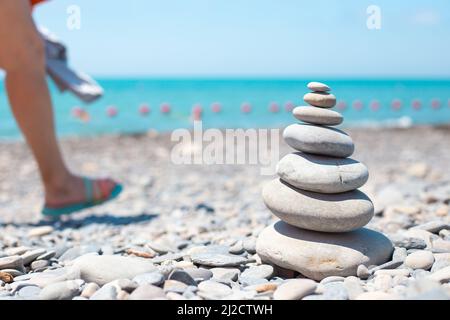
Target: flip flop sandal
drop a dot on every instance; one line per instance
(89, 202)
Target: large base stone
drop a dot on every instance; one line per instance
(319, 255)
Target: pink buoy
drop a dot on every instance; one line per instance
(435, 104)
(357, 105)
(448, 103)
(396, 104)
(416, 104)
(111, 111)
(274, 107)
(341, 105)
(246, 107)
(77, 112)
(165, 108)
(197, 111)
(375, 105)
(289, 106)
(144, 109)
(216, 107)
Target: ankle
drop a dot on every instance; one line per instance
(59, 183)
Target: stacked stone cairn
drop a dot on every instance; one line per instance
(316, 197)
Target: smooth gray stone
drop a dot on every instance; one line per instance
(182, 276)
(318, 86)
(168, 256)
(225, 274)
(61, 290)
(442, 260)
(249, 245)
(409, 242)
(104, 269)
(30, 256)
(147, 292)
(263, 271)
(335, 291)
(319, 212)
(387, 266)
(12, 262)
(199, 274)
(29, 292)
(107, 292)
(214, 289)
(433, 226)
(218, 259)
(153, 278)
(174, 286)
(319, 116)
(322, 174)
(319, 140)
(320, 99)
(47, 256)
(318, 255)
(126, 284)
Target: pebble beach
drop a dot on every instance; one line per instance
(189, 232)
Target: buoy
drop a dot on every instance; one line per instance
(448, 103)
(216, 107)
(396, 104)
(416, 104)
(375, 105)
(144, 109)
(197, 111)
(289, 106)
(77, 112)
(358, 105)
(111, 111)
(341, 105)
(274, 107)
(435, 104)
(165, 108)
(246, 107)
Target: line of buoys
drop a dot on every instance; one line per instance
(274, 107)
(246, 107)
(435, 104)
(396, 104)
(375, 105)
(144, 109)
(81, 114)
(416, 104)
(341, 105)
(358, 105)
(165, 108)
(77, 112)
(111, 111)
(197, 111)
(289, 106)
(216, 107)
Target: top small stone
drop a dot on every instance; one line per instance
(318, 87)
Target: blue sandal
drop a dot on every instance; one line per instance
(89, 202)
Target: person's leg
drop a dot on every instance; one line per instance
(22, 56)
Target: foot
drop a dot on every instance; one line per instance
(72, 190)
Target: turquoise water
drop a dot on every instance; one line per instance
(128, 94)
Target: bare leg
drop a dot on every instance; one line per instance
(22, 56)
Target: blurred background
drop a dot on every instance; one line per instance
(246, 64)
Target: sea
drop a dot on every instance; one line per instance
(141, 105)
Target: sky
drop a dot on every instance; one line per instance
(254, 38)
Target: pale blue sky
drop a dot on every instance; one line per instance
(247, 38)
